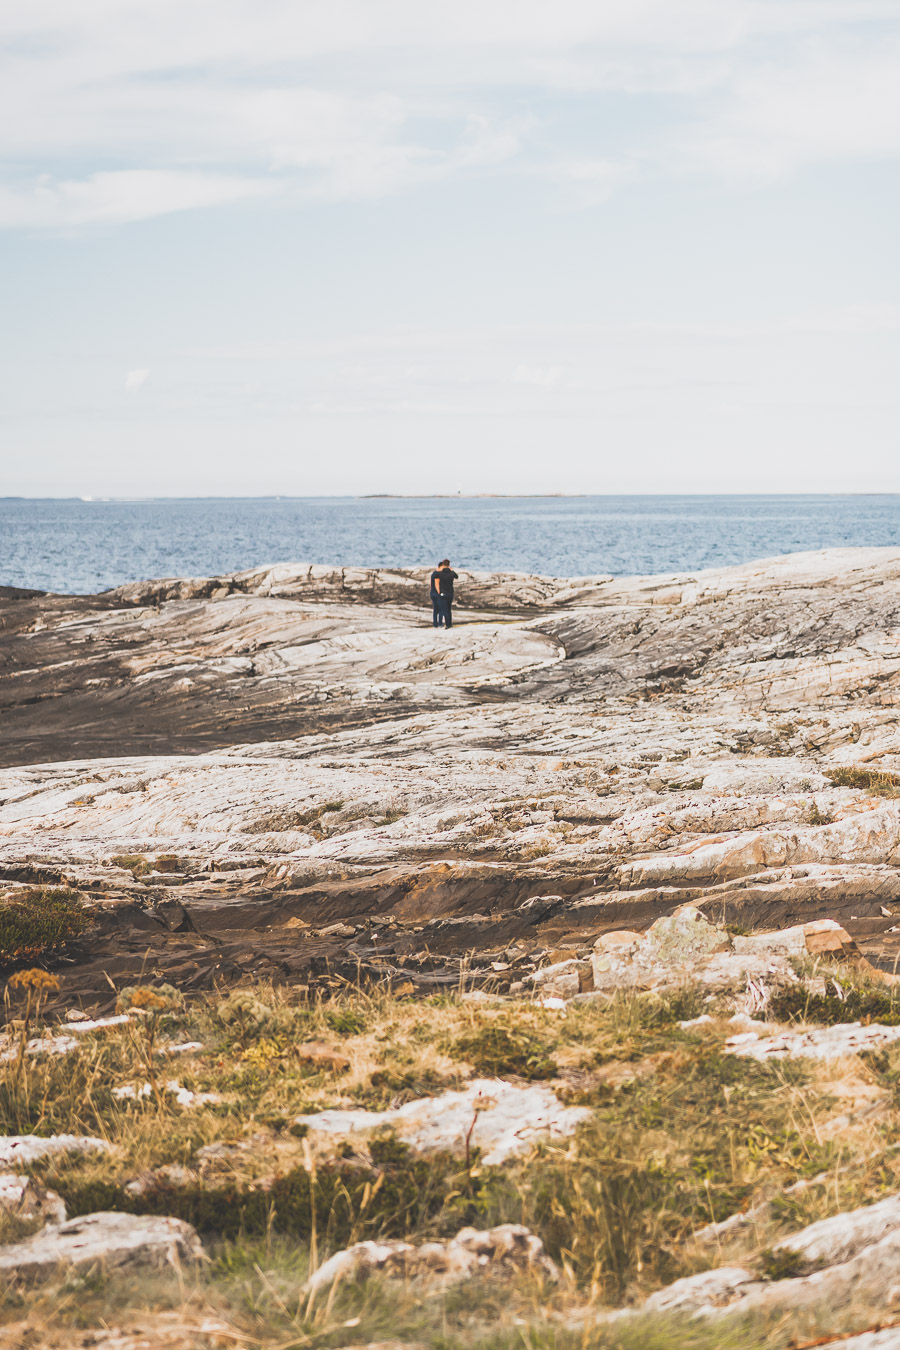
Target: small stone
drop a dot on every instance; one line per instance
(323, 1056)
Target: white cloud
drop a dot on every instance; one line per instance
(118, 197)
(170, 105)
(828, 103)
(135, 380)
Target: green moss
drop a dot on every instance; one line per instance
(39, 922)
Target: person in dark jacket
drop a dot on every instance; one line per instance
(437, 617)
(443, 582)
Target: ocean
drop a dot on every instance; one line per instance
(85, 546)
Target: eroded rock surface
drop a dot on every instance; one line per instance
(288, 773)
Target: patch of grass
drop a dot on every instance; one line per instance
(692, 1135)
(342, 1202)
(686, 1146)
(816, 817)
(879, 781)
(38, 923)
(345, 1021)
(391, 1087)
(782, 1264)
(843, 1001)
(498, 1049)
(135, 863)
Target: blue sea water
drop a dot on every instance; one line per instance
(86, 546)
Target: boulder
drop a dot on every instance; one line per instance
(686, 946)
(104, 1242)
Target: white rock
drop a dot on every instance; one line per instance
(887, 1339)
(505, 1119)
(837, 1239)
(710, 1288)
(858, 1254)
(106, 1242)
(183, 1096)
(99, 1023)
(822, 1043)
(471, 1250)
(21, 1150)
(38, 1045)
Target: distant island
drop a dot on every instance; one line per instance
(458, 496)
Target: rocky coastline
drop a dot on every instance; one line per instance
(294, 751)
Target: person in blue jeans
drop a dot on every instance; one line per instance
(442, 594)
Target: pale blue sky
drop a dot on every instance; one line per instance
(388, 245)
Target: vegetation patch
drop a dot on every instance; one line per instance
(782, 1264)
(498, 1049)
(38, 923)
(276, 822)
(341, 1203)
(842, 1001)
(879, 781)
(691, 1136)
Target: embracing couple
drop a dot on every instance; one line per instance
(442, 579)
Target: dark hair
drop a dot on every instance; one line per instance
(445, 562)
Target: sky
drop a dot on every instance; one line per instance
(310, 247)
